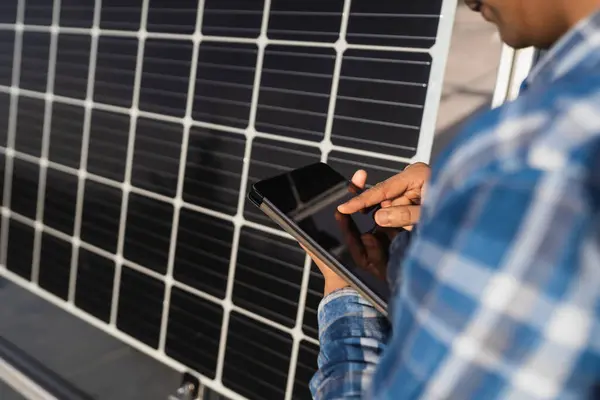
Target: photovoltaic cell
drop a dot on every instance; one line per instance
(175, 16)
(213, 169)
(8, 11)
(311, 21)
(194, 331)
(7, 40)
(71, 70)
(25, 188)
(101, 215)
(108, 142)
(55, 265)
(203, 252)
(4, 114)
(20, 242)
(66, 134)
(2, 174)
(156, 156)
(394, 23)
(60, 201)
(121, 15)
(132, 185)
(30, 126)
(140, 306)
(76, 13)
(38, 12)
(148, 232)
(35, 54)
(269, 270)
(294, 94)
(115, 70)
(224, 83)
(165, 76)
(95, 277)
(307, 359)
(234, 18)
(254, 352)
(380, 101)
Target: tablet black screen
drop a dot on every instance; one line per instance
(310, 196)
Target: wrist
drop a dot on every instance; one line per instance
(334, 283)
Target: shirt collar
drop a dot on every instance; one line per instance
(568, 53)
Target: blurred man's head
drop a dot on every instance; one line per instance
(539, 23)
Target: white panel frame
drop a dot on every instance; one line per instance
(20, 383)
(439, 54)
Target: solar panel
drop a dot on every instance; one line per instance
(132, 131)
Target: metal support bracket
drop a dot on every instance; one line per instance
(190, 389)
(512, 71)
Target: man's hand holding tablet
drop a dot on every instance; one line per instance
(400, 200)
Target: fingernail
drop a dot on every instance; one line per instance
(382, 217)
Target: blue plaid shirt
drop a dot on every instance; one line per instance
(499, 294)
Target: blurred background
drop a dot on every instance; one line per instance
(470, 74)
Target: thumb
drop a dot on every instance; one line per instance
(398, 216)
(360, 178)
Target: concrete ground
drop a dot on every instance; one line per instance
(107, 369)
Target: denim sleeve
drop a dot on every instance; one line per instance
(352, 334)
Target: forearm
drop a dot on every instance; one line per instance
(352, 335)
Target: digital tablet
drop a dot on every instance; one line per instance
(304, 203)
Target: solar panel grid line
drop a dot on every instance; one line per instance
(21, 218)
(111, 108)
(267, 229)
(150, 194)
(129, 160)
(340, 47)
(194, 123)
(187, 124)
(160, 117)
(97, 178)
(119, 185)
(125, 338)
(84, 151)
(11, 130)
(143, 270)
(94, 249)
(291, 140)
(214, 38)
(37, 243)
(271, 323)
(372, 154)
(296, 43)
(238, 219)
(168, 118)
(300, 334)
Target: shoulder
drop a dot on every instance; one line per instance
(568, 137)
(546, 129)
